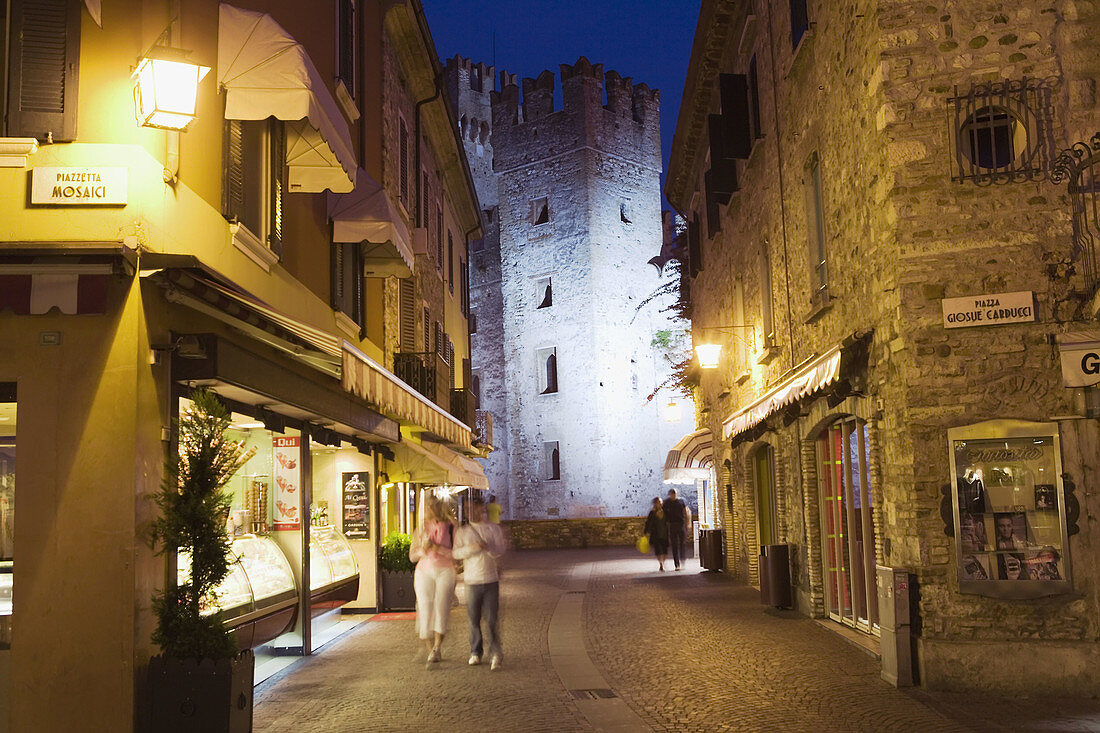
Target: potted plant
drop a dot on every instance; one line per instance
(199, 682)
(397, 573)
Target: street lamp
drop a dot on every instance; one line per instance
(672, 411)
(166, 87)
(709, 354)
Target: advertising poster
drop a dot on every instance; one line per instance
(356, 506)
(287, 474)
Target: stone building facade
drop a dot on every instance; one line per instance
(848, 170)
(572, 212)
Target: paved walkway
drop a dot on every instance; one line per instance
(596, 640)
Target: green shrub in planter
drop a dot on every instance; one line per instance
(394, 557)
(397, 573)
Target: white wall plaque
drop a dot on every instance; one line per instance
(992, 309)
(64, 186)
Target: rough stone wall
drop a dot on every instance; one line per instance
(598, 164)
(543, 534)
(869, 89)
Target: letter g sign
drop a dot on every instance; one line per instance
(1090, 363)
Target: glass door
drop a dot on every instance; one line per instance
(848, 534)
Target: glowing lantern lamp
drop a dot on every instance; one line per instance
(672, 411)
(166, 88)
(708, 355)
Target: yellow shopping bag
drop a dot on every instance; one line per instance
(643, 545)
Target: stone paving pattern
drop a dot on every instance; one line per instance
(686, 651)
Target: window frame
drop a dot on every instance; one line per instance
(340, 300)
(547, 370)
(816, 234)
(540, 207)
(551, 457)
(268, 171)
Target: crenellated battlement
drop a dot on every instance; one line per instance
(470, 75)
(584, 87)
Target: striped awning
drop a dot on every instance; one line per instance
(74, 285)
(690, 459)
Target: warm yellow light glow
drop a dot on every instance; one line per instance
(708, 355)
(166, 89)
(671, 411)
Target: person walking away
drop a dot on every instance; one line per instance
(657, 530)
(493, 510)
(676, 513)
(479, 545)
(434, 578)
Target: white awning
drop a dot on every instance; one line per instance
(266, 73)
(433, 464)
(95, 9)
(367, 215)
(690, 459)
(812, 377)
(1080, 352)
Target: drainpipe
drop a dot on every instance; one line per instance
(416, 126)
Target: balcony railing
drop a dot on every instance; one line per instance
(427, 373)
(464, 405)
(483, 429)
(1079, 168)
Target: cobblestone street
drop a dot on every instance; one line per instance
(598, 640)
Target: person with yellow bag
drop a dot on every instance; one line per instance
(655, 534)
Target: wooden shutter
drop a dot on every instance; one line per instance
(336, 299)
(450, 261)
(44, 60)
(734, 91)
(451, 359)
(403, 164)
(408, 314)
(277, 149)
(346, 35)
(233, 183)
(439, 234)
(427, 330)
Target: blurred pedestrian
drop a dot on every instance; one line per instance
(479, 545)
(434, 579)
(676, 515)
(493, 510)
(657, 530)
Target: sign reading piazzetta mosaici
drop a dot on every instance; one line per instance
(993, 309)
(78, 186)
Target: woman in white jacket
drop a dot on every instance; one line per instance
(479, 545)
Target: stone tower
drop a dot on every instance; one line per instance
(564, 358)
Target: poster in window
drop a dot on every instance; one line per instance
(288, 482)
(1008, 509)
(356, 513)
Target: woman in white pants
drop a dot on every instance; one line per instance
(434, 579)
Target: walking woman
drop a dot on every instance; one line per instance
(434, 579)
(657, 531)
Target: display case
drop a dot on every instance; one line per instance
(334, 573)
(258, 599)
(1009, 509)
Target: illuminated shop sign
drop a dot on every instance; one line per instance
(993, 309)
(78, 186)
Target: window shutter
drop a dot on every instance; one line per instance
(440, 344)
(337, 296)
(427, 331)
(278, 185)
(439, 235)
(451, 359)
(407, 296)
(450, 262)
(233, 184)
(734, 91)
(346, 33)
(403, 164)
(45, 57)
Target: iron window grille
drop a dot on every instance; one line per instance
(1079, 168)
(996, 133)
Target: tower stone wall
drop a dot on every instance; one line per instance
(571, 197)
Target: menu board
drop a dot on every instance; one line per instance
(356, 505)
(1009, 509)
(287, 473)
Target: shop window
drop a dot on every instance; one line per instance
(347, 280)
(255, 183)
(540, 211)
(548, 370)
(551, 461)
(7, 508)
(847, 524)
(815, 232)
(763, 479)
(43, 50)
(545, 293)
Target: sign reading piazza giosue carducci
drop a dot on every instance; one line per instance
(992, 309)
(66, 186)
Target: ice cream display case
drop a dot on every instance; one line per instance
(333, 571)
(259, 598)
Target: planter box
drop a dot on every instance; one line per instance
(190, 695)
(397, 592)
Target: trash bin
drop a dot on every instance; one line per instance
(775, 576)
(711, 549)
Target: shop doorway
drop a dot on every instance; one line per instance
(763, 479)
(847, 524)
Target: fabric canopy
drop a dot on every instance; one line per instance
(1080, 352)
(434, 464)
(266, 73)
(368, 215)
(813, 377)
(690, 459)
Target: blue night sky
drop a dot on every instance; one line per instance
(649, 40)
